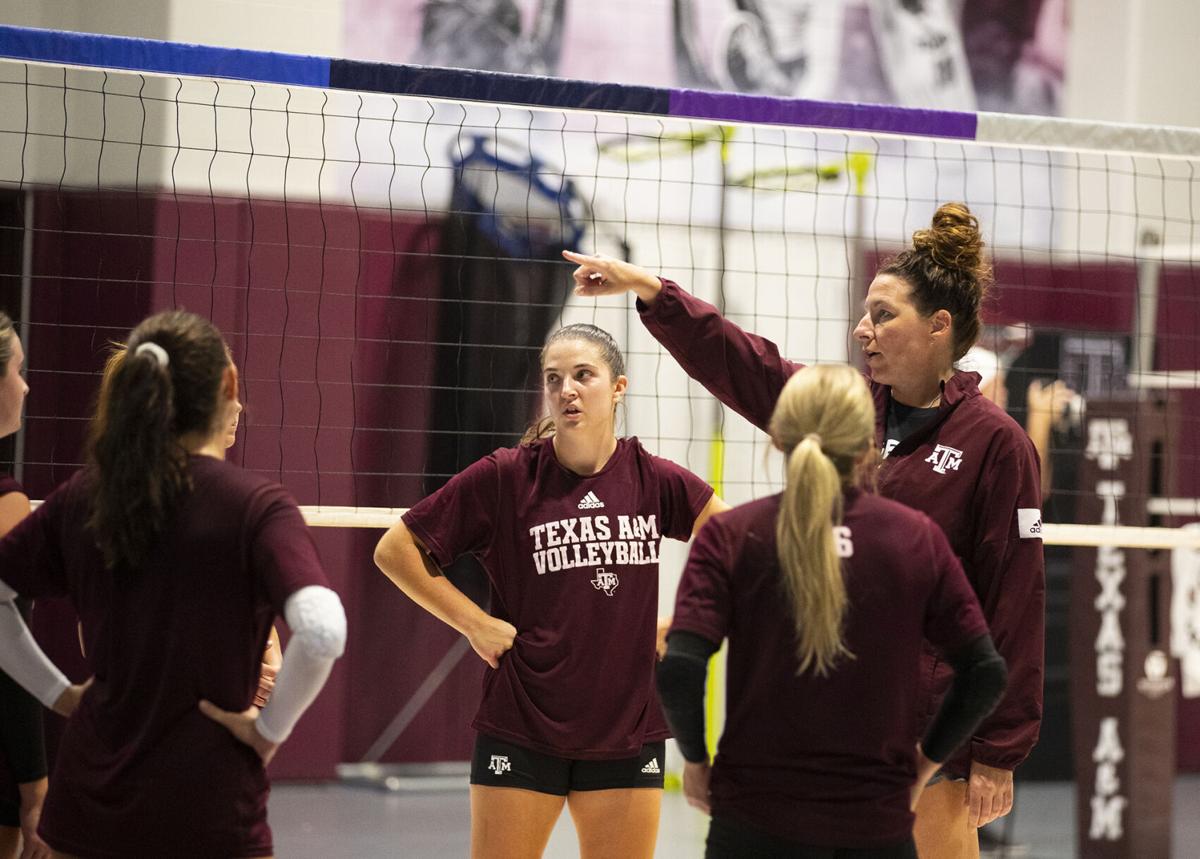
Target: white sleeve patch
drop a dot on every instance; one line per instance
(1029, 523)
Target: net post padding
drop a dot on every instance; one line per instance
(1123, 687)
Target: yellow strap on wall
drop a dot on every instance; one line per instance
(716, 665)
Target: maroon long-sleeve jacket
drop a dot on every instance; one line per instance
(971, 469)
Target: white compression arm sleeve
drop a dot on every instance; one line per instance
(22, 659)
(315, 616)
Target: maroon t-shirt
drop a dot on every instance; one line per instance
(573, 564)
(825, 760)
(140, 770)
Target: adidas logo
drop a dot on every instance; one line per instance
(590, 502)
(1029, 523)
(652, 767)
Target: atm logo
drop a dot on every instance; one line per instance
(605, 581)
(500, 764)
(945, 459)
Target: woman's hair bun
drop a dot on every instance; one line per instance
(953, 240)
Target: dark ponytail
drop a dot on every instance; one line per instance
(162, 387)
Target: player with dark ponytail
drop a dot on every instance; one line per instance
(272, 660)
(947, 451)
(176, 563)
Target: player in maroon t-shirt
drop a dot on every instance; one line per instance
(567, 526)
(176, 563)
(23, 771)
(948, 452)
(826, 593)
(272, 658)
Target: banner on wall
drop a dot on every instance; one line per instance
(996, 55)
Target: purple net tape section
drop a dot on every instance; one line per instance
(733, 107)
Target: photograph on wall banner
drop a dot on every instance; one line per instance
(996, 55)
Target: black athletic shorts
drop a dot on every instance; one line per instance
(728, 839)
(500, 764)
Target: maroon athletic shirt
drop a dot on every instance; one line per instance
(971, 469)
(825, 760)
(140, 770)
(573, 564)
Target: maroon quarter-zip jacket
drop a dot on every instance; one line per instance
(971, 468)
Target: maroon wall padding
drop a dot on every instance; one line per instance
(302, 291)
(397, 645)
(90, 266)
(91, 271)
(1179, 349)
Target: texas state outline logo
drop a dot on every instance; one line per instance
(605, 581)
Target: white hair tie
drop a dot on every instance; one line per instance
(159, 353)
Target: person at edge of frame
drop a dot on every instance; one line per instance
(24, 774)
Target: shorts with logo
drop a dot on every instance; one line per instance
(497, 763)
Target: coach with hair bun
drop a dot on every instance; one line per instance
(947, 451)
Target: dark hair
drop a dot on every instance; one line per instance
(145, 406)
(7, 333)
(946, 270)
(610, 354)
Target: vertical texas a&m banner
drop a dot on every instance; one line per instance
(1123, 683)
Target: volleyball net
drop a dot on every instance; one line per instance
(381, 248)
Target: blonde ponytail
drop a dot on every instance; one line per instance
(824, 423)
(812, 576)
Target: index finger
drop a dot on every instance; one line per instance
(582, 259)
(587, 263)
